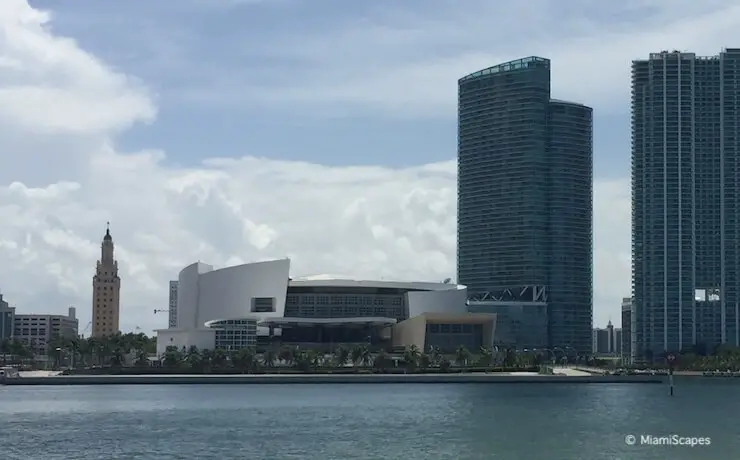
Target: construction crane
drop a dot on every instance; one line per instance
(160, 311)
(84, 331)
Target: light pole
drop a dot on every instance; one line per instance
(565, 355)
(59, 356)
(554, 356)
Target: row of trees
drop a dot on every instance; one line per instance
(359, 356)
(81, 352)
(723, 358)
(130, 348)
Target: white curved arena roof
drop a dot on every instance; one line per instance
(326, 281)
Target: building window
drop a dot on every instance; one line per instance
(263, 304)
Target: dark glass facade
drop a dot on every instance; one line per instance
(525, 193)
(685, 173)
(626, 350)
(7, 319)
(449, 337)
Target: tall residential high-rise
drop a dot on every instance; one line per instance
(173, 305)
(685, 206)
(626, 350)
(106, 291)
(605, 340)
(525, 165)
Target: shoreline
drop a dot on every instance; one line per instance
(278, 379)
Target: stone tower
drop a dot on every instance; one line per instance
(106, 291)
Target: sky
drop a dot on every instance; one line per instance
(231, 131)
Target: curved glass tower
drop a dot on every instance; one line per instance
(525, 194)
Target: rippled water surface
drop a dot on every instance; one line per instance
(343, 422)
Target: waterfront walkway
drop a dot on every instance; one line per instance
(584, 377)
(39, 373)
(570, 372)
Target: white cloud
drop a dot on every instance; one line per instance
(407, 65)
(49, 84)
(370, 222)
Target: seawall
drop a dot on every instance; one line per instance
(262, 379)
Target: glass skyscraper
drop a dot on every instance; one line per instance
(525, 193)
(685, 201)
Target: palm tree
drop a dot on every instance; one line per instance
(245, 359)
(424, 362)
(366, 358)
(341, 356)
(288, 354)
(382, 361)
(5, 349)
(86, 352)
(207, 356)
(303, 361)
(356, 355)
(269, 358)
(219, 357)
(436, 355)
(172, 357)
(194, 359)
(509, 357)
(118, 357)
(316, 359)
(462, 355)
(73, 346)
(411, 357)
(484, 359)
(142, 359)
(444, 364)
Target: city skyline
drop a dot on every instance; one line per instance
(234, 133)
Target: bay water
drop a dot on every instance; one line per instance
(369, 421)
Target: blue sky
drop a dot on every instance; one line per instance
(230, 131)
(186, 50)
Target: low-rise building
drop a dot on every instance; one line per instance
(259, 305)
(38, 330)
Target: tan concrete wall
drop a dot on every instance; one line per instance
(410, 332)
(489, 332)
(413, 330)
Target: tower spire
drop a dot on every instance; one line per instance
(107, 236)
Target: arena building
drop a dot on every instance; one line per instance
(257, 304)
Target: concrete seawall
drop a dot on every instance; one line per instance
(246, 379)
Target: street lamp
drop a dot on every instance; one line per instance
(554, 356)
(565, 355)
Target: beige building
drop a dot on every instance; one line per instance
(106, 291)
(38, 331)
(446, 331)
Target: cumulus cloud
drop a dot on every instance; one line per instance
(403, 59)
(59, 102)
